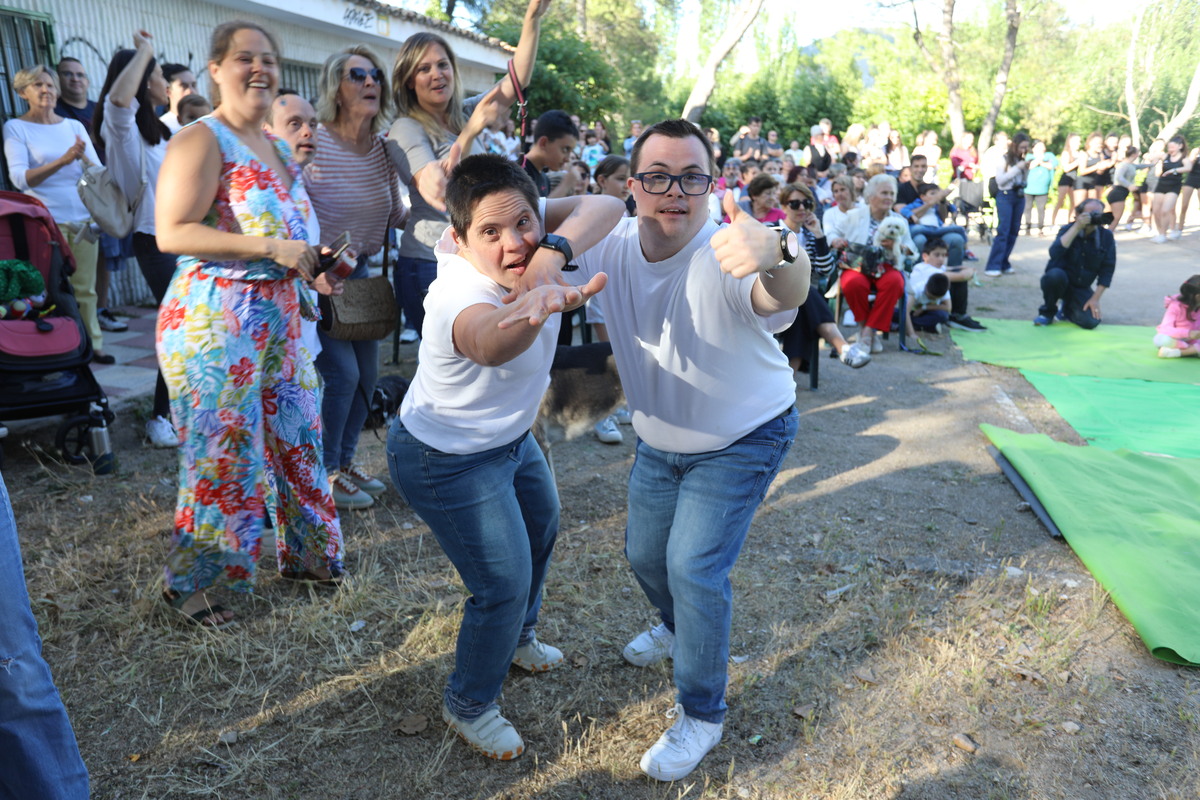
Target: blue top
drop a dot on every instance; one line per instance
(1038, 182)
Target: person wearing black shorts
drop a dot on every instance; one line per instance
(1190, 184)
(1094, 161)
(1123, 175)
(1066, 183)
(1170, 181)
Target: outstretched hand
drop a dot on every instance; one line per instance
(433, 177)
(744, 246)
(537, 304)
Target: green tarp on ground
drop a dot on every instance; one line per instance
(1109, 351)
(1144, 416)
(1133, 520)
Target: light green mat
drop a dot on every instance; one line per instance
(1133, 520)
(1144, 416)
(1109, 351)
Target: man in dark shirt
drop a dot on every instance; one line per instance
(73, 100)
(1083, 253)
(910, 190)
(750, 145)
(554, 138)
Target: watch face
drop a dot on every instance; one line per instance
(791, 246)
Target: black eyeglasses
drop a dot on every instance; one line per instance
(359, 75)
(796, 205)
(693, 183)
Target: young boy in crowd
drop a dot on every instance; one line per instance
(929, 306)
(554, 140)
(934, 255)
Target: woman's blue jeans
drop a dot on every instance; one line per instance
(38, 754)
(1010, 206)
(412, 284)
(688, 517)
(495, 514)
(349, 370)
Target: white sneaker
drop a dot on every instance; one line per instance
(1159, 239)
(1174, 234)
(855, 356)
(650, 646)
(408, 336)
(346, 494)
(623, 416)
(680, 749)
(364, 480)
(1169, 352)
(877, 343)
(606, 431)
(537, 657)
(162, 433)
(490, 734)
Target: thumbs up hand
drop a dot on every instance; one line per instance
(744, 246)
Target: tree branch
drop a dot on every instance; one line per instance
(1109, 113)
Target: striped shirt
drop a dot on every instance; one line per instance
(355, 193)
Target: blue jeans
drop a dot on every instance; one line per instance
(1057, 288)
(954, 237)
(495, 514)
(349, 370)
(38, 754)
(415, 275)
(1010, 205)
(688, 517)
(930, 318)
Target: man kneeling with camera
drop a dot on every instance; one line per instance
(1084, 253)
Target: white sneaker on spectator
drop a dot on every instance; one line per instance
(855, 356)
(161, 432)
(490, 734)
(1159, 239)
(537, 657)
(877, 344)
(681, 748)
(606, 431)
(364, 480)
(1174, 234)
(651, 646)
(622, 416)
(347, 495)
(110, 323)
(408, 336)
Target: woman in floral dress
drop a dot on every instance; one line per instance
(244, 397)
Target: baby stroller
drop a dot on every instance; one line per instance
(44, 359)
(975, 204)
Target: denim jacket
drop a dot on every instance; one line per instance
(1089, 258)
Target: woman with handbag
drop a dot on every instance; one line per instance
(243, 393)
(432, 117)
(46, 155)
(353, 189)
(135, 140)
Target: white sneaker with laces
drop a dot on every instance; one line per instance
(681, 748)
(162, 433)
(855, 356)
(1174, 234)
(606, 431)
(1159, 239)
(650, 646)
(346, 494)
(536, 656)
(622, 416)
(364, 480)
(490, 734)
(408, 336)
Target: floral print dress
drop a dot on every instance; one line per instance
(245, 396)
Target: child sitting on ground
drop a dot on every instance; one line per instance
(929, 305)
(934, 255)
(1179, 332)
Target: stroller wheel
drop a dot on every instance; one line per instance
(73, 440)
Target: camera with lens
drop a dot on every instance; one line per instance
(1100, 218)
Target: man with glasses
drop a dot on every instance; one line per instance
(73, 100)
(691, 309)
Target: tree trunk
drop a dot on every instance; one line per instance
(581, 25)
(954, 104)
(1189, 108)
(1131, 103)
(706, 81)
(1010, 49)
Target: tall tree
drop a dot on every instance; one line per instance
(1013, 18)
(706, 81)
(948, 67)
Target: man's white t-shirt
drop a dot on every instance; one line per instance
(700, 369)
(455, 405)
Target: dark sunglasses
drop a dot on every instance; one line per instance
(796, 205)
(359, 75)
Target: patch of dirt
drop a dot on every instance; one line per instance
(892, 583)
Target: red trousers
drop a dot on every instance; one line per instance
(888, 288)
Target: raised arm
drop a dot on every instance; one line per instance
(126, 86)
(527, 47)
(187, 186)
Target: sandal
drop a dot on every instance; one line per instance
(177, 600)
(306, 576)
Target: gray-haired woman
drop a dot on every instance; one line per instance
(353, 189)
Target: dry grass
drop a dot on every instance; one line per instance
(961, 617)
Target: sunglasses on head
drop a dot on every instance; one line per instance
(796, 205)
(359, 75)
